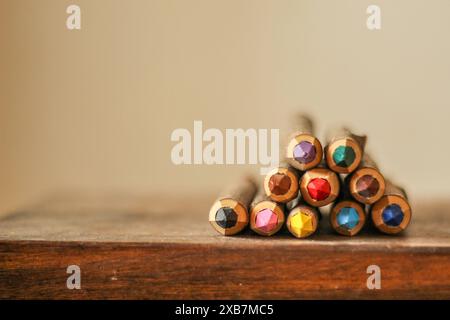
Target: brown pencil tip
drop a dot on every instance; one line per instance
(279, 184)
(367, 186)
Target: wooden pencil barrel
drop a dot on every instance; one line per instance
(344, 150)
(303, 150)
(319, 186)
(347, 217)
(229, 214)
(243, 191)
(393, 189)
(392, 213)
(368, 162)
(303, 219)
(266, 215)
(281, 183)
(303, 123)
(298, 201)
(366, 184)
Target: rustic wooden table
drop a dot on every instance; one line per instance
(159, 247)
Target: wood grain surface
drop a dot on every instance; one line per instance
(133, 247)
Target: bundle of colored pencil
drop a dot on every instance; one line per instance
(341, 177)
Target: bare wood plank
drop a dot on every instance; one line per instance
(193, 271)
(128, 249)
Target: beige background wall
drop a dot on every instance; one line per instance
(93, 109)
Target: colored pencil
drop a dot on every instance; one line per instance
(392, 213)
(366, 184)
(347, 216)
(319, 186)
(344, 150)
(303, 150)
(281, 183)
(266, 215)
(302, 220)
(229, 213)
